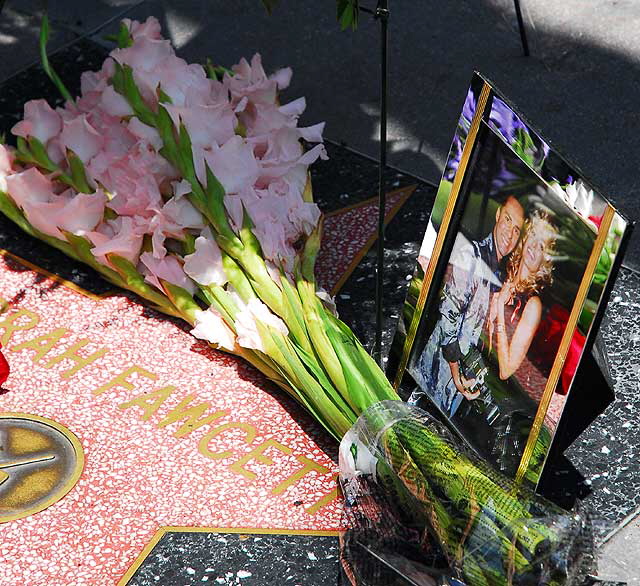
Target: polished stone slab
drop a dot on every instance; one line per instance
(244, 559)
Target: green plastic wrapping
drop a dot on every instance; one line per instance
(424, 509)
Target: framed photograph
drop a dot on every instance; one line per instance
(510, 283)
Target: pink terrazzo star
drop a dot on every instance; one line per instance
(248, 457)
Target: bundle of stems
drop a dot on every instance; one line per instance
(189, 186)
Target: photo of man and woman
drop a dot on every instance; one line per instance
(484, 350)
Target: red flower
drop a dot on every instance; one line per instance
(4, 368)
(597, 220)
(548, 341)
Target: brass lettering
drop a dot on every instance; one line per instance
(308, 465)
(71, 353)
(193, 415)
(9, 324)
(257, 454)
(203, 446)
(149, 402)
(122, 379)
(41, 344)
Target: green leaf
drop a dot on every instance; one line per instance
(217, 213)
(185, 153)
(122, 38)
(292, 306)
(40, 155)
(310, 252)
(124, 83)
(237, 278)
(53, 76)
(312, 312)
(82, 247)
(78, 175)
(216, 72)
(347, 13)
(311, 392)
(164, 125)
(162, 97)
(189, 244)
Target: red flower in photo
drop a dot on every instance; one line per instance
(549, 335)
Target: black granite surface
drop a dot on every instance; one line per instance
(606, 456)
(241, 559)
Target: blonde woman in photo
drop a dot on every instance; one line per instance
(516, 310)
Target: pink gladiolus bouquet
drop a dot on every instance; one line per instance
(189, 185)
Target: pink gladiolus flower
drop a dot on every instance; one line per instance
(261, 119)
(40, 120)
(77, 213)
(134, 189)
(282, 77)
(146, 54)
(245, 324)
(204, 266)
(113, 103)
(170, 221)
(252, 81)
(82, 211)
(42, 216)
(211, 327)
(55, 151)
(146, 134)
(118, 237)
(6, 165)
(168, 269)
(150, 28)
(82, 138)
(206, 124)
(234, 164)
(29, 186)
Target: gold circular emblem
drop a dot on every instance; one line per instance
(40, 462)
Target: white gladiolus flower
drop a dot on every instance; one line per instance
(211, 327)
(245, 324)
(204, 266)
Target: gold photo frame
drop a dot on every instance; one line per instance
(515, 267)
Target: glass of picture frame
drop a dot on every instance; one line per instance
(511, 280)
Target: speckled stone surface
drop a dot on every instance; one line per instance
(247, 560)
(606, 455)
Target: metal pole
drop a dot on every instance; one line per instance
(382, 13)
(523, 32)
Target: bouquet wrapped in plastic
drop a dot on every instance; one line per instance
(423, 507)
(188, 185)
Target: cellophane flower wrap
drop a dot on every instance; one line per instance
(189, 186)
(424, 509)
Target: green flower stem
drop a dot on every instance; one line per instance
(238, 278)
(321, 344)
(53, 76)
(308, 390)
(265, 365)
(293, 307)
